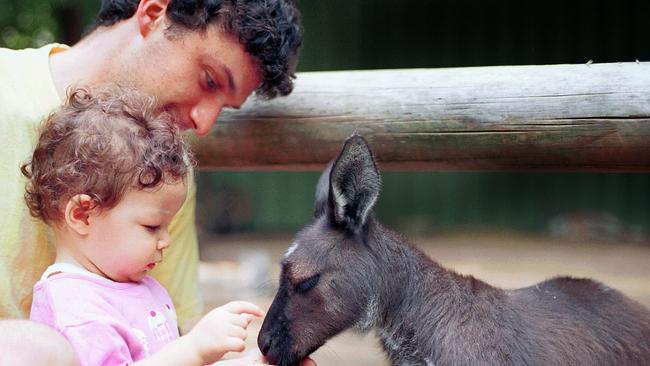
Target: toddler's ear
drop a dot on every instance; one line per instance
(77, 212)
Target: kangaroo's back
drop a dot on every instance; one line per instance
(562, 321)
(581, 321)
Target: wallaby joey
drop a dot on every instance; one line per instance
(347, 270)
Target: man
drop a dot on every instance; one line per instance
(31, 343)
(196, 57)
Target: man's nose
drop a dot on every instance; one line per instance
(204, 115)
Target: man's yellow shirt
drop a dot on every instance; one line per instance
(27, 96)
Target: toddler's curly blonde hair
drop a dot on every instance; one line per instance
(102, 144)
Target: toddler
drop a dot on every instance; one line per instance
(108, 174)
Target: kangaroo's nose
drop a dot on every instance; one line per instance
(264, 343)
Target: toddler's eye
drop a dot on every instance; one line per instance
(307, 284)
(152, 228)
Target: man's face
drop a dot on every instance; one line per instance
(194, 75)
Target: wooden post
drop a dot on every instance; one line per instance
(561, 117)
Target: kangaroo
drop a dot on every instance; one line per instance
(346, 270)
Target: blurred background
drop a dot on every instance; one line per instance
(508, 228)
(376, 34)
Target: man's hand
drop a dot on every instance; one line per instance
(255, 358)
(307, 362)
(252, 358)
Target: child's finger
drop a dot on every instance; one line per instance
(243, 307)
(249, 318)
(234, 344)
(240, 320)
(238, 332)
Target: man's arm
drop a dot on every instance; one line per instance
(178, 272)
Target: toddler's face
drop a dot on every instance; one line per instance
(127, 241)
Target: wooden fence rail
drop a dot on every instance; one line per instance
(560, 117)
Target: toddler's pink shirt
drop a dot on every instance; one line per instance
(107, 322)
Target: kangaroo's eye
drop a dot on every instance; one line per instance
(307, 284)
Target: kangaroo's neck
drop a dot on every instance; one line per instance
(411, 282)
(417, 298)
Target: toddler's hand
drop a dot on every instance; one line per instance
(223, 330)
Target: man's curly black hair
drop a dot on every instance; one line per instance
(270, 31)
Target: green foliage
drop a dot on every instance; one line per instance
(26, 23)
(33, 23)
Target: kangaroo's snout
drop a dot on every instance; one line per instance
(274, 340)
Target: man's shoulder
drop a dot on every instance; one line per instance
(16, 64)
(21, 58)
(26, 87)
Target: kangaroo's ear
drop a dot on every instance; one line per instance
(354, 184)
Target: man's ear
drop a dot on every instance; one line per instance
(77, 213)
(150, 15)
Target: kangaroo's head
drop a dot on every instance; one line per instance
(327, 276)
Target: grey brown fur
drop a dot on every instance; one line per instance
(347, 270)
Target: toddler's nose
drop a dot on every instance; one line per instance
(164, 241)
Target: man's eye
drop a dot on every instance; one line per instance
(209, 82)
(307, 284)
(152, 228)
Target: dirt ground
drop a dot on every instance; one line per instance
(246, 267)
